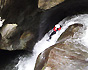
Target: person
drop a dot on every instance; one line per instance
(55, 29)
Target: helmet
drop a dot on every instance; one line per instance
(57, 26)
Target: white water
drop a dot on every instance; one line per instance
(28, 63)
(1, 22)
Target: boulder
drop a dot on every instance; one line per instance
(18, 42)
(47, 4)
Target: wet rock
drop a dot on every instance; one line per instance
(6, 32)
(3, 3)
(47, 4)
(17, 7)
(10, 43)
(65, 55)
(26, 15)
(25, 37)
(69, 32)
(42, 58)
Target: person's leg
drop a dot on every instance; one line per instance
(54, 32)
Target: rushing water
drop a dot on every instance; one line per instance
(28, 63)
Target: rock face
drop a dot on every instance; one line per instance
(65, 55)
(47, 4)
(26, 15)
(19, 43)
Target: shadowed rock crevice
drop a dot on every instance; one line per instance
(32, 24)
(15, 8)
(26, 15)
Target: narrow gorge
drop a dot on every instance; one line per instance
(25, 30)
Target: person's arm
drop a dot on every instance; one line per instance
(59, 28)
(54, 28)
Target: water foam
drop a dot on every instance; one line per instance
(28, 63)
(1, 22)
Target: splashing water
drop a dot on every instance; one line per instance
(28, 63)
(1, 22)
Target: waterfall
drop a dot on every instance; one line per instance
(28, 63)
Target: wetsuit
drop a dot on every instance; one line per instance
(54, 32)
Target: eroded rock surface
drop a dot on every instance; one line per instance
(18, 42)
(47, 4)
